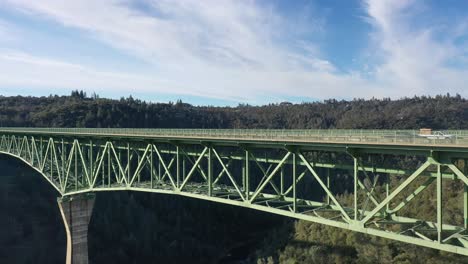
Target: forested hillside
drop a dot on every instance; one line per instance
(80, 111)
(144, 228)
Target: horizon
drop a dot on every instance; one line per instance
(225, 53)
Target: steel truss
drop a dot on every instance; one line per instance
(285, 179)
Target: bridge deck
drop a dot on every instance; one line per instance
(457, 139)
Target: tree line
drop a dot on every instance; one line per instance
(79, 110)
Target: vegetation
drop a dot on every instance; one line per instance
(146, 228)
(77, 110)
(314, 243)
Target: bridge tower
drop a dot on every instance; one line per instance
(76, 213)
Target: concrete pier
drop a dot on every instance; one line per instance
(76, 213)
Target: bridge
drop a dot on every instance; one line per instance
(294, 173)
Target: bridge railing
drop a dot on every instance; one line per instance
(454, 137)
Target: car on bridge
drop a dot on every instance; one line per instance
(429, 134)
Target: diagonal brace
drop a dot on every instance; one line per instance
(228, 173)
(262, 186)
(397, 191)
(195, 165)
(324, 187)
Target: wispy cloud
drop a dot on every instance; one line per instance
(245, 50)
(226, 33)
(219, 47)
(416, 59)
(23, 70)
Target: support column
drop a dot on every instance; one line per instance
(465, 206)
(247, 176)
(294, 182)
(76, 213)
(465, 196)
(356, 212)
(439, 205)
(210, 172)
(177, 167)
(328, 185)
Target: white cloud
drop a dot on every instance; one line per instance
(241, 50)
(236, 33)
(23, 70)
(416, 59)
(212, 48)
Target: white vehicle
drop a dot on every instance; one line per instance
(436, 135)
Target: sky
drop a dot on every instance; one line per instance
(226, 52)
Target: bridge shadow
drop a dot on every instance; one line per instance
(132, 227)
(31, 227)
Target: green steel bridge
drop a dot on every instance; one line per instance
(360, 180)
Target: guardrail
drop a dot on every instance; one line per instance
(458, 137)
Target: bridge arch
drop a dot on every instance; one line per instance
(25, 162)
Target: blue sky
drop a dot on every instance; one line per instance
(225, 52)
